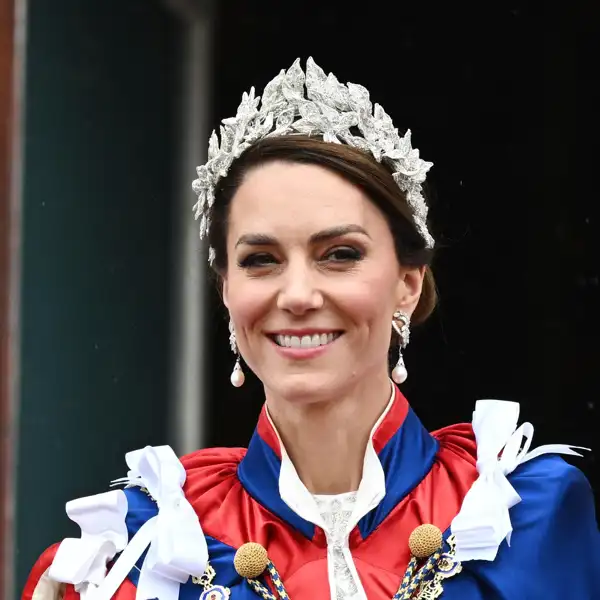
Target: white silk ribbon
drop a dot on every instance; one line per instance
(82, 562)
(174, 538)
(483, 521)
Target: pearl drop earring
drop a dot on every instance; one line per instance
(237, 375)
(401, 325)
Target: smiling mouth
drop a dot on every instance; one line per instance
(305, 341)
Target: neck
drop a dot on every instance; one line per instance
(327, 440)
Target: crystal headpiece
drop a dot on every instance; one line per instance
(313, 104)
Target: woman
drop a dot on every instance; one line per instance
(313, 208)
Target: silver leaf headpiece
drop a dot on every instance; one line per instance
(313, 103)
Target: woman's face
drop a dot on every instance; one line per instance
(312, 281)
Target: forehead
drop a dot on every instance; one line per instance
(281, 198)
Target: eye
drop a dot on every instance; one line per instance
(343, 254)
(256, 260)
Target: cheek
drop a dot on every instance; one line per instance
(370, 302)
(249, 301)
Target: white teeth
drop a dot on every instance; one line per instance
(306, 341)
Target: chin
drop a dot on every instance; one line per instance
(305, 388)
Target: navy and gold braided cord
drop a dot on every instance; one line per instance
(408, 575)
(414, 581)
(260, 589)
(264, 592)
(277, 581)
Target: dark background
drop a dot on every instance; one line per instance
(500, 96)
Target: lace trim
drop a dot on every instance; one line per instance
(336, 512)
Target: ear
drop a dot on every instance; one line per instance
(409, 288)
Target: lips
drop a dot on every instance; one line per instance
(305, 341)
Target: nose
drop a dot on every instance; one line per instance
(298, 293)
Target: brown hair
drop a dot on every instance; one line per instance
(354, 165)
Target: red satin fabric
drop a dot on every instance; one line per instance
(41, 565)
(230, 515)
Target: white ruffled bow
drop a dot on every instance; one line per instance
(483, 522)
(177, 547)
(82, 562)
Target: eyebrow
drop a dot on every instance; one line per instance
(262, 239)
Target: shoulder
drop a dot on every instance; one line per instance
(553, 493)
(210, 486)
(458, 440)
(158, 485)
(546, 484)
(527, 526)
(554, 548)
(456, 458)
(206, 479)
(209, 468)
(555, 544)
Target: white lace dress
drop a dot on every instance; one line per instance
(336, 512)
